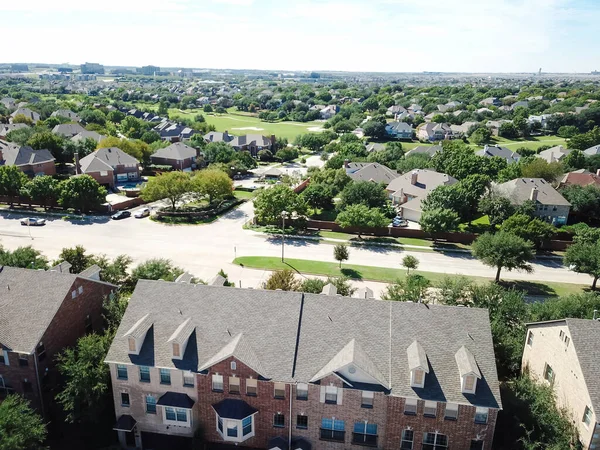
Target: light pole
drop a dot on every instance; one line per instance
(283, 216)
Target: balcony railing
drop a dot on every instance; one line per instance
(332, 435)
(368, 440)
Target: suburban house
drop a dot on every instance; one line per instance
(8, 102)
(399, 130)
(43, 312)
(253, 143)
(109, 166)
(287, 370)
(491, 151)
(554, 154)
(565, 354)
(367, 171)
(490, 101)
(177, 155)
(520, 103)
(329, 111)
(85, 134)
(425, 149)
(271, 174)
(32, 115)
(394, 110)
(459, 131)
(31, 162)
(434, 132)
(595, 150)
(582, 178)
(549, 204)
(494, 125)
(6, 128)
(215, 136)
(374, 147)
(484, 111)
(67, 114)
(68, 130)
(173, 132)
(410, 189)
(542, 119)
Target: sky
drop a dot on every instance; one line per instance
(340, 35)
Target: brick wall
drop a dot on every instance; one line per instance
(175, 164)
(108, 179)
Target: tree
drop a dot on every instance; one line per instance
(12, 181)
(154, 269)
(341, 253)
(282, 279)
(540, 168)
(115, 271)
(337, 179)
(508, 130)
(136, 148)
(24, 257)
(86, 394)
(77, 257)
(21, 428)
(218, 152)
(319, 195)
(567, 131)
(81, 193)
(584, 257)
(171, 186)
(150, 136)
(22, 118)
(481, 136)
(585, 200)
(47, 140)
(410, 262)
(374, 129)
(213, 184)
(585, 140)
(439, 220)
(533, 230)
(575, 160)
(361, 216)
(503, 251)
(287, 154)
(367, 193)
(43, 189)
(132, 127)
(497, 208)
(270, 203)
(411, 289)
(207, 109)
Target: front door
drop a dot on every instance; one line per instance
(130, 439)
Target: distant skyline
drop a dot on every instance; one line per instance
(337, 35)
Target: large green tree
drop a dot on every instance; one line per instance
(366, 193)
(24, 257)
(497, 208)
(319, 195)
(531, 229)
(213, 184)
(21, 428)
(503, 250)
(360, 215)
(172, 186)
(12, 181)
(81, 193)
(584, 257)
(585, 200)
(155, 269)
(439, 220)
(43, 190)
(269, 204)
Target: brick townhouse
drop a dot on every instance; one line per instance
(41, 313)
(286, 370)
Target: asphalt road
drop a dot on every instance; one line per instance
(204, 249)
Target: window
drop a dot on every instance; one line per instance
(430, 409)
(233, 365)
(481, 415)
(181, 415)
(145, 374)
(80, 290)
(188, 379)
(217, 383)
(4, 358)
(132, 345)
(125, 399)
(476, 445)
(41, 351)
(365, 434)
(418, 378)
(548, 374)
(331, 393)
(232, 429)
(165, 376)
(367, 399)
(247, 426)
(23, 359)
(469, 384)
(567, 340)
(332, 430)
(170, 413)
(410, 406)
(530, 338)
(435, 441)
(279, 420)
(234, 385)
(451, 411)
(176, 350)
(408, 436)
(220, 424)
(587, 416)
(279, 390)
(302, 391)
(302, 422)
(73, 294)
(561, 335)
(150, 404)
(121, 372)
(88, 325)
(251, 386)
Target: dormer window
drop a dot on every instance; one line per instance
(417, 364)
(137, 334)
(469, 384)
(468, 370)
(176, 350)
(132, 345)
(179, 338)
(417, 378)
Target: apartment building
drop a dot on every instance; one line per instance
(41, 313)
(275, 369)
(565, 355)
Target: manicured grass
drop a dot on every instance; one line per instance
(389, 275)
(531, 143)
(244, 195)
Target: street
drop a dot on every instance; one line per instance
(204, 249)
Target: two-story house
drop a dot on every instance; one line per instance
(177, 155)
(43, 312)
(31, 162)
(109, 166)
(253, 143)
(565, 354)
(275, 369)
(399, 130)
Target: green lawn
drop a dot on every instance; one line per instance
(244, 195)
(532, 142)
(389, 275)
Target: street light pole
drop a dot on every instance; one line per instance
(283, 216)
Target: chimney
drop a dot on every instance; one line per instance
(414, 177)
(346, 163)
(1, 156)
(597, 171)
(77, 167)
(534, 194)
(273, 143)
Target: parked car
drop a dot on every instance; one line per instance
(399, 222)
(121, 215)
(144, 212)
(33, 222)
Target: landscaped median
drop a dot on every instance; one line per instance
(389, 275)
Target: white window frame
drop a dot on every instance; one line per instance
(451, 408)
(301, 388)
(332, 393)
(252, 383)
(435, 440)
(414, 381)
(240, 427)
(188, 374)
(73, 294)
(277, 386)
(479, 411)
(546, 367)
(530, 338)
(215, 380)
(370, 396)
(465, 387)
(403, 439)
(587, 413)
(236, 382)
(5, 357)
(411, 403)
(430, 408)
(233, 365)
(177, 423)
(80, 290)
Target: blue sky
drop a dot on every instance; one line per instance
(348, 35)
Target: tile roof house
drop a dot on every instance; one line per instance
(177, 155)
(29, 161)
(35, 117)
(57, 308)
(554, 154)
(66, 113)
(249, 366)
(68, 130)
(582, 178)
(549, 204)
(109, 166)
(565, 354)
(399, 130)
(491, 151)
(85, 134)
(366, 171)
(410, 189)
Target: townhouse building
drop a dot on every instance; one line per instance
(281, 370)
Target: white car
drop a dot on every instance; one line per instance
(33, 222)
(144, 212)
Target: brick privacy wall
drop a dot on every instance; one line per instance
(63, 331)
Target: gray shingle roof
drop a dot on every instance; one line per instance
(519, 191)
(364, 171)
(22, 156)
(177, 151)
(257, 139)
(68, 129)
(106, 159)
(490, 151)
(417, 358)
(86, 134)
(262, 327)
